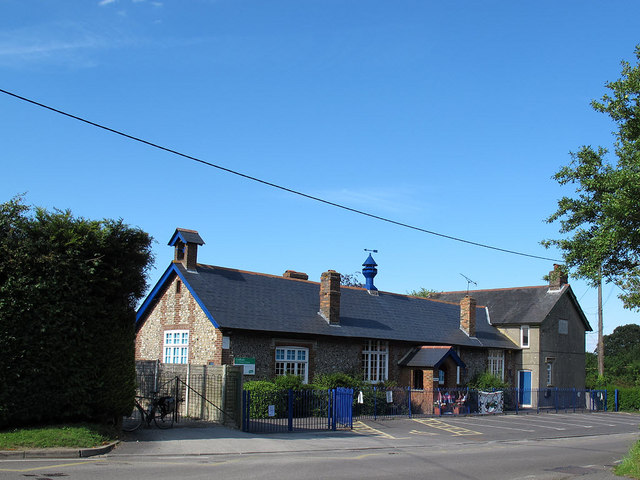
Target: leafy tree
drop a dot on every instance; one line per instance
(591, 369)
(68, 292)
(422, 292)
(602, 220)
(622, 360)
(351, 280)
(624, 340)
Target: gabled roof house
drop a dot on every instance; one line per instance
(204, 314)
(548, 325)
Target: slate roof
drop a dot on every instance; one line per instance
(430, 356)
(235, 299)
(186, 236)
(519, 306)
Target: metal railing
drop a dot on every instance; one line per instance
(295, 410)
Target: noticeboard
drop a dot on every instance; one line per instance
(248, 364)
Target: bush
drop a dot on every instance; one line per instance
(337, 380)
(628, 399)
(264, 393)
(289, 382)
(68, 293)
(487, 381)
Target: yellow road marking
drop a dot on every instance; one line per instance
(364, 429)
(440, 425)
(48, 467)
(418, 432)
(359, 457)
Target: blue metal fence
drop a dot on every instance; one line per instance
(295, 410)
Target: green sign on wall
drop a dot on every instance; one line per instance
(248, 363)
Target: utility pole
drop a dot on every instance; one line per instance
(600, 339)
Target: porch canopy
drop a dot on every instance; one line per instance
(428, 356)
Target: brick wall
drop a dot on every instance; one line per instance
(176, 309)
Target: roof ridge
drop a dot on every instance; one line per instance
(495, 289)
(204, 265)
(270, 275)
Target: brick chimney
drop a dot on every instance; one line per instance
(468, 315)
(186, 247)
(296, 275)
(557, 277)
(330, 297)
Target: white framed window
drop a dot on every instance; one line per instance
(524, 336)
(440, 377)
(293, 361)
(375, 359)
(176, 346)
(496, 363)
(549, 373)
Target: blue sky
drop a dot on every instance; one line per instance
(450, 116)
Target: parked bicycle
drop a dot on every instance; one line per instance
(160, 410)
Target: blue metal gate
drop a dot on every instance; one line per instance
(343, 408)
(297, 410)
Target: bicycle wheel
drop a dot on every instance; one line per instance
(163, 420)
(132, 422)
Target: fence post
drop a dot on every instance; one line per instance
(290, 410)
(409, 397)
(244, 407)
(223, 394)
(467, 403)
(617, 401)
(175, 410)
(605, 400)
(375, 404)
(555, 400)
(334, 409)
(328, 409)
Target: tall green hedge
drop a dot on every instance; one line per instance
(628, 399)
(68, 291)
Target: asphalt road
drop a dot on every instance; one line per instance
(549, 446)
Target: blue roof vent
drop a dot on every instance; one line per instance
(369, 271)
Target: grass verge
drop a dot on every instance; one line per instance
(630, 466)
(63, 436)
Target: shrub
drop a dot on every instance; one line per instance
(628, 399)
(327, 381)
(286, 382)
(487, 381)
(264, 393)
(68, 293)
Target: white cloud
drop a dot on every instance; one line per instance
(388, 199)
(102, 3)
(65, 43)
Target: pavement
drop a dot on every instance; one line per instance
(197, 438)
(194, 439)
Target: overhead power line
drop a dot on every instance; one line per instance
(274, 185)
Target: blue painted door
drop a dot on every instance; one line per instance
(524, 386)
